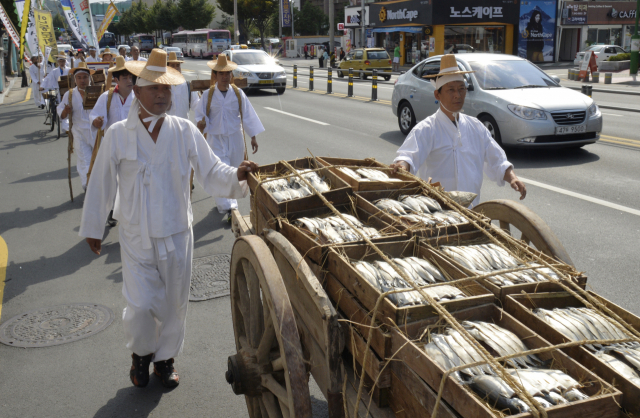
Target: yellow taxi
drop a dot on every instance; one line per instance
(366, 60)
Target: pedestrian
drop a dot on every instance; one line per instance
(182, 98)
(80, 56)
(342, 54)
(225, 115)
(333, 60)
(321, 57)
(123, 52)
(107, 55)
(72, 107)
(325, 57)
(151, 155)
(135, 54)
(92, 55)
(306, 51)
(51, 83)
(452, 148)
(36, 70)
(396, 58)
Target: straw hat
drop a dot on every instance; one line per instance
(61, 57)
(173, 58)
(448, 66)
(221, 64)
(107, 51)
(81, 66)
(120, 61)
(155, 69)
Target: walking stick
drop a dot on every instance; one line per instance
(70, 146)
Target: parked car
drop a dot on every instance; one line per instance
(518, 103)
(77, 45)
(366, 60)
(127, 49)
(602, 53)
(63, 48)
(175, 49)
(260, 69)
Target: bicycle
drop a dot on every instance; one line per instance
(52, 111)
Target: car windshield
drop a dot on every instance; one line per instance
(173, 49)
(377, 55)
(595, 48)
(502, 75)
(252, 58)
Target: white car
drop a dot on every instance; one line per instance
(127, 49)
(602, 53)
(518, 103)
(259, 68)
(177, 50)
(62, 48)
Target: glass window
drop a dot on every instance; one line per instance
(430, 68)
(592, 36)
(619, 50)
(468, 39)
(359, 55)
(603, 36)
(252, 58)
(610, 50)
(351, 54)
(501, 75)
(377, 55)
(219, 35)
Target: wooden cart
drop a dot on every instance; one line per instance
(287, 327)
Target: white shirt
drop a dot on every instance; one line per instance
(117, 112)
(180, 101)
(139, 59)
(79, 116)
(153, 179)
(454, 155)
(89, 59)
(35, 72)
(51, 81)
(224, 118)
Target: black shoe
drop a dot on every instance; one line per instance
(167, 374)
(139, 373)
(110, 221)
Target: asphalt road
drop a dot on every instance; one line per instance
(50, 265)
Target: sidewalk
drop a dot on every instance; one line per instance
(12, 82)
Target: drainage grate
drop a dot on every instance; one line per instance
(210, 277)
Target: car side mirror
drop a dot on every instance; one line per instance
(556, 79)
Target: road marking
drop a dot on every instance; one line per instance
(27, 97)
(4, 257)
(583, 197)
(296, 116)
(612, 114)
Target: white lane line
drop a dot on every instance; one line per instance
(612, 114)
(296, 116)
(583, 197)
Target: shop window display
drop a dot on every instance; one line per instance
(468, 39)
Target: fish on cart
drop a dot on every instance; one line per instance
(419, 209)
(294, 188)
(580, 324)
(487, 258)
(333, 230)
(385, 278)
(547, 386)
(367, 174)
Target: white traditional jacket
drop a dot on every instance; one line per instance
(180, 105)
(51, 81)
(153, 192)
(37, 74)
(139, 59)
(117, 112)
(81, 130)
(454, 155)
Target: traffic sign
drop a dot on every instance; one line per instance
(340, 26)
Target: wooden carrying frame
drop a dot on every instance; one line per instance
(98, 78)
(91, 95)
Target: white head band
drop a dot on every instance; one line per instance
(444, 79)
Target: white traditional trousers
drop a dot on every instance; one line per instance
(156, 286)
(230, 150)
(83, 157)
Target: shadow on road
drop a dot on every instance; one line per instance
(133, 402)
(26, 218)
(395, 137)
(61, 174)
(548, 158)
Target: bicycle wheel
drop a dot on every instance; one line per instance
(59, 123)
(53, 114)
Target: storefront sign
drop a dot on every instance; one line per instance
(340, 26)
(599, 13)
(574, 13)
(475, 11)
(536, 34)
(416, 12)
(352, 18)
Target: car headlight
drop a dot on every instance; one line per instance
(527, 113)
(242, 74)
(594, 111)
(281, 74)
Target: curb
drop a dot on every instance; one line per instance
(7, 90)
(630, 93)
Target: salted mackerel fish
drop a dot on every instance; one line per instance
(367, 174)
(294, 188)
(415, 209)
(548, 386)
(488, 258)
(384, 277)
(580, 324)
(333, 230)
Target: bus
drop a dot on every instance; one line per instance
(143, 41)
(108, 39)
(202, 43)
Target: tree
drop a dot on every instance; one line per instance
(166, 19)
(226, 23)
(58, 25)
(195, 14)
(10, 8)
(255, 13)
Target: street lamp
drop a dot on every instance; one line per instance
(635, 45)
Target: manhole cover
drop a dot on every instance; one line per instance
(210, 277)
(56, 325)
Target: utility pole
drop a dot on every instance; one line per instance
(293, 32)
(362, 33)
(635, 45)
(236, 33)
(332, 26)
(280, 19)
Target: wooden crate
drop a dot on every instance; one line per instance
(98, 78)
(478, 237)
(306, 244)
(520, 307)
(368, 295)
(200, 85)
(407, 182)
(468, 405)
(91, 95)
(424, 231)
(64, 83)
(240, 82)
(340, 191)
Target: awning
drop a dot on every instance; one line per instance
(410, 29)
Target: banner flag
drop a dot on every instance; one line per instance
(286, 14)
(111, 12)
(73, 22)
(26, 7)
(46, 36)
(85, 22)
(8, 24)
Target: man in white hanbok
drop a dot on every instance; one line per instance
(92, 57)
(135, 54)
(219, 118)
(452, 148)
(51, 83)
(182, 98)
(151, 155)
(83, 141)
(36, 70)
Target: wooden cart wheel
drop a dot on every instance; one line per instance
(269, 367)
(534, 231)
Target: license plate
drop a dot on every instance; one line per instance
(565, 130)
(266, 82)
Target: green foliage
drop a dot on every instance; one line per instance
(166, 17)
(311, 20)
(10, 8)
(251, 14)
(134, 20)
(59, 24)
(620, 57)
(194, 14)
(226, 23)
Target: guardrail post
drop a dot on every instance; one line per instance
(350, 87)
(569, 73)
(590, 91)
(329, 80)
(607, 78)
(374, 86)
(587, 90)
(595, 77)
(311, 78)
(295, 76)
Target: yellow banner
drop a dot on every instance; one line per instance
(23, 30)
(111, 12)
(46, 36)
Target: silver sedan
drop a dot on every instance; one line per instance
(516, 101)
